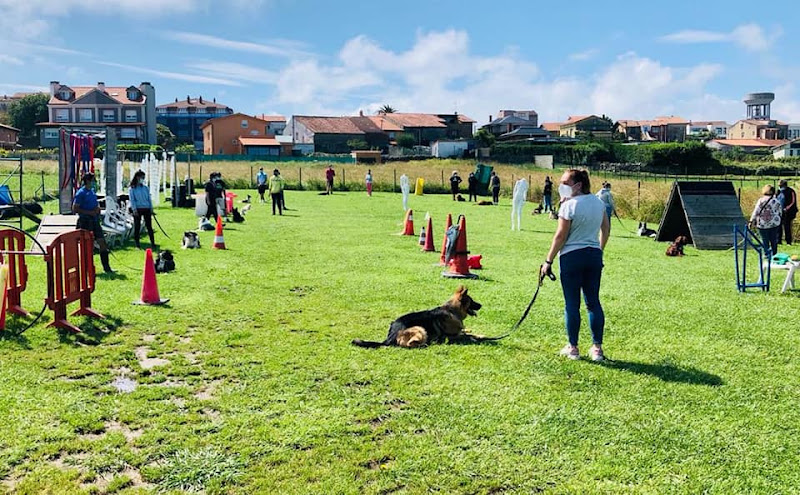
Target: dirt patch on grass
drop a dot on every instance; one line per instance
(376, 464)
(129, 434)
(147, 362)
(148, 338)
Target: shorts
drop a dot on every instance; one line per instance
(262, 188)
(92, 224)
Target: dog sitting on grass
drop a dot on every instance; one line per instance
(676, 248)
(432, 326)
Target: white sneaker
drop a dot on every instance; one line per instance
(596, 354)
(570, 352)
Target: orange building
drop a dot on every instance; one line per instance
(239, 134)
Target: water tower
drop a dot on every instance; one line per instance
(758, 105)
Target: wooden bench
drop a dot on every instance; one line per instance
(51, 227)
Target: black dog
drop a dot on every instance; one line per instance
(644, 231)
(460, 198)
(165, 262)
(237, 217)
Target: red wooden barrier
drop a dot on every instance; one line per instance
(70, 276)
(14, 241)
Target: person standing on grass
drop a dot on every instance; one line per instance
(211, 200)
(329, 175)
(142, 207)
(604, 194)
(455, 180)
(580, 238)
(261, 181)
(368, 182)
(472, 184)
(547, 194)
(766, 217)
(276, 184)
(494, 183)
(788, 199)
(88, 210)
(220, 188)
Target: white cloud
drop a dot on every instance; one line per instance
(278, 47)
(751, 37)
(8, 59)
(14, 87)
(173, 75)
(232, 70)
(584, 55)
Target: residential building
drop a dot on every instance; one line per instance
(631, 129)
(525, 132)
(584, 125)
(130, 110)
(669, 129)
(6, 101)
(509, 120)
(529, 115)
(793, 131)
(425, 127)
(9, 136)
(758, 129)
(277, 123)
(238, 134)
(552, 128)
(186, 117)
(717, 128)
(746, 145)
(789, 149)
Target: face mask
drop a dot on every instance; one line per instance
(565, 191)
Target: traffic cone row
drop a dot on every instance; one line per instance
(458, 265)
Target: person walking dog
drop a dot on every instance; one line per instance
(142, 208)
(88, 210)
(580, 238)
(788, 199)
(766, 217)
(276, 184)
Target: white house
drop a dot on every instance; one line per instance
(449, 149)
(793, 132)
(717, 127)
(787, 150)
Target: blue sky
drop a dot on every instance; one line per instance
(626, 60)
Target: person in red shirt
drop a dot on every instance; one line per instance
(329, 175)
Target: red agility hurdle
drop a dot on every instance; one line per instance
(12, 247)
(70, 276)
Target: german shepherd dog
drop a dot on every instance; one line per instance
(432, 326)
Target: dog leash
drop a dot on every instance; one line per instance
(622, 224)
(155, 217)
(528, 309)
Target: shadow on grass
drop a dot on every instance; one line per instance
(115, 275)
(93, 331)
(666, 372)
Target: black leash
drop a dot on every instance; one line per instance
(528, 309)
(155, 217)
(623, 225)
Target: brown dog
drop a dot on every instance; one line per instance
(432, 326)
(676, 248)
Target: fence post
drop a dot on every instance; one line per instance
(739, 195)
(201, 173)
(251, 176)
(638, 193)
(394, 187)
(530, 188)
(344, 179)
(300, 174)
(442, 177)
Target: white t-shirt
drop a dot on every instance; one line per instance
(586, 212)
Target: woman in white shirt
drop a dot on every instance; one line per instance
(580, 238)
(766, 217)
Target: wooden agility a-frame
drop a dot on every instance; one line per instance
(704, 211)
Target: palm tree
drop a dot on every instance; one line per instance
(387, 109)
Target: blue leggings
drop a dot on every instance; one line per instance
(580, 271)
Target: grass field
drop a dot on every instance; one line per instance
(246, 382)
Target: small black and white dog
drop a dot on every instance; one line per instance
(644, 231)
(247, 199)
(204, 224)
(237, 217)
(190, 240)
(165, 262)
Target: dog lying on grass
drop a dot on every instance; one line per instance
(644, 231)
(676, 248)
(432, 326)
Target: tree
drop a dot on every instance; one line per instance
(406, 140)
(484, 138)
(164, 136)
(387, 109)
(187, 149)
(24, 114)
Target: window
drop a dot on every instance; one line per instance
(85, 115)
(133, 95)
(51, 133)
(62, 115)
(65, 94)
(109, 115)
(131, 116)
(127, 133)
(254, 132)
(244, 124)
(234, 141)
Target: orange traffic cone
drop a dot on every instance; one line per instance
(408, 228)
(444, 241)
(428, 244)
(150, 296)
(459, 267)
(219, 240)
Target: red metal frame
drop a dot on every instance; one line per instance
(13, 243)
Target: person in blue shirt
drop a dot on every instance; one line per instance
(142, 207)
(85, 205)
(261, 181)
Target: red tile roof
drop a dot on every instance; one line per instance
(415, 119)
(272, 118)
(704, 123)
(258, 141)
(119, 94)
(629, 123)
(328, 125)
(574, 119)
(668, 120)
(385, 124)
(552, 126)
(465, 120)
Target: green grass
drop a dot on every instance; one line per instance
(264, 394)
